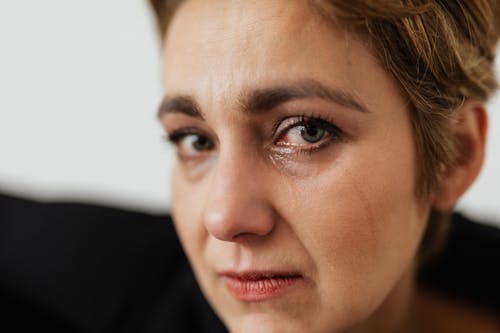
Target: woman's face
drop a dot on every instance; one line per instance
(293, 190)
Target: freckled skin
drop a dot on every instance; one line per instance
(346, 216)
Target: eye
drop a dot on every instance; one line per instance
(306, 132)
(190, 144)
(309, 132)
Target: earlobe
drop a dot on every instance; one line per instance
(469, 127)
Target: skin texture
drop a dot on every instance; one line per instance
(342, 212)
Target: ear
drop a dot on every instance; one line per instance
(469, 128)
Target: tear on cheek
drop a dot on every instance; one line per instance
(303, 165)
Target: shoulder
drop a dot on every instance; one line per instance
(467, 267)
(73, 267)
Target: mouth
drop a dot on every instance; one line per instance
(254, 286)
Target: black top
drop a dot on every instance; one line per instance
(68, 267)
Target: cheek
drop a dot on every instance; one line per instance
(361, 220)
(357, 218)
(186, 207)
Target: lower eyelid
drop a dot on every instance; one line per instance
(308, 150)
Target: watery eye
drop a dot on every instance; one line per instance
(306, 132)
(312, 133)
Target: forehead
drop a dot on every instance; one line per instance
(217, 48)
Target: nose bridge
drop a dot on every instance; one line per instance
(236, 203)
(230, 178)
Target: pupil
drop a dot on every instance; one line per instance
(311, 133)
(201, 143)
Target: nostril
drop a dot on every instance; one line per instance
(242, 236)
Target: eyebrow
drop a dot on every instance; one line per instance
(180, 104)
(268, 98)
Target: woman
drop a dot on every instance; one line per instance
(320, 148)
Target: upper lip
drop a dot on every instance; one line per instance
(254, 275)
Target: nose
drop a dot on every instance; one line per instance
(237, 206)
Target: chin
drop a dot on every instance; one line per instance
(264, 323)
(260, 322)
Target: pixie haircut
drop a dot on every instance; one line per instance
(440, 52)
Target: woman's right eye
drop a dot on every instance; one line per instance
(191, 145)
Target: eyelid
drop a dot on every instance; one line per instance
(291, 122)
(180, 133)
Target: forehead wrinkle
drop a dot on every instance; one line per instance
(214, 30)
(239, 48)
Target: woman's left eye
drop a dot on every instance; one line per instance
(306, 132)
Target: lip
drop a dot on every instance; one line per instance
(256, 286)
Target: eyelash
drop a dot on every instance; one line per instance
(328, 125)
(179, 134)
(331, 129)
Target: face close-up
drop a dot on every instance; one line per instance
(294, 186)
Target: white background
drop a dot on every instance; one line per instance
(79, 85)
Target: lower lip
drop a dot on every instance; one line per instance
(255, 290)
